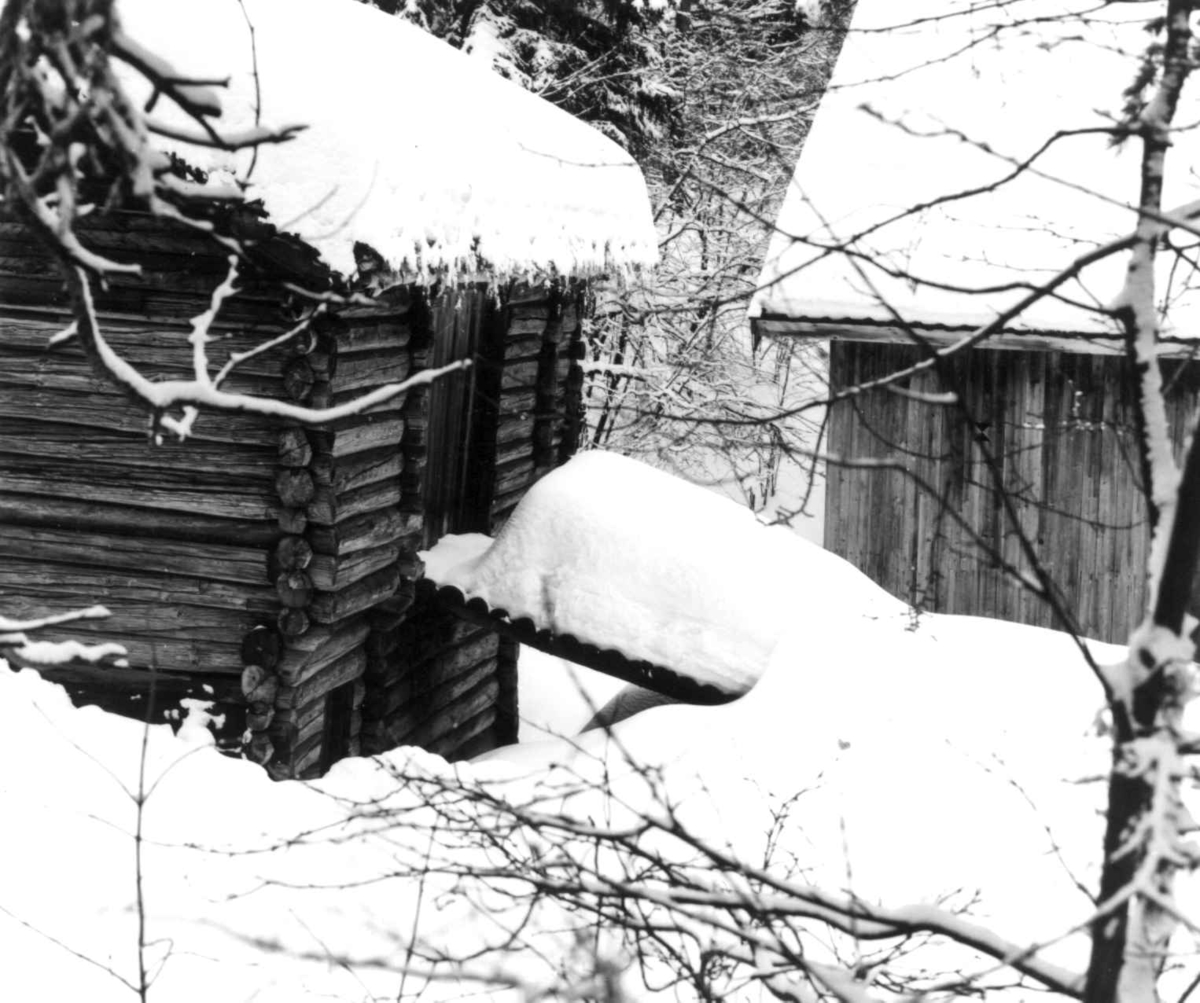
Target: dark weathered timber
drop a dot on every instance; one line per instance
(329, 607)
(364, 532)
(349, 666)
(319, 647)
(1061, 428)
(330, 574)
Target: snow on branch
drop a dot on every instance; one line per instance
(14, 634)
(74, 138)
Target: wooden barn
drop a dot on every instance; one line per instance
(954, 171)
(269, 566)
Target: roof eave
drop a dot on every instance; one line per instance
(852, 329)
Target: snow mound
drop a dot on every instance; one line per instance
(627, 557)
(926, 104)
(411, 147)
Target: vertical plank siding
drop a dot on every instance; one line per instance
(1060, 429)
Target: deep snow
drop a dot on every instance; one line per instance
(628, 557)
(904, 760)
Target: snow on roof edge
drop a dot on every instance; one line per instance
(471, 175)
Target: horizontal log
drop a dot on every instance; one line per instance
(319, 647)
(431, 633)
(371, 431)
(32, 510)
(519, 375)
(514, 452)
(528, 321)
(328, 607)
(388, 305)
(70, 374)
(382, 338)
(459, 708)
(139, 497)
(520, 345)
(146, 343)
(512, 428)
(357, 470)
(242, 464)
(150, 304)
(513, 477)
(364, 532)
(114, 414)
(328, 508)
(298, 719)
(455, 674)
(365, 371)
(331, 573)
(172, 472)
(171, 601)
(146, 553)
(389, 614)
(516, 402)
(337, 673)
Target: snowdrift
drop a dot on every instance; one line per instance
(627, 557)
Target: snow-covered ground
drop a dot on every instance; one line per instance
(909, 762)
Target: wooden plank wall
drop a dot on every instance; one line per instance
(1061, 429)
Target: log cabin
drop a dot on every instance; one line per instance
(270, 567)
(954, 171)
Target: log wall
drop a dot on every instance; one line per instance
(431, 679)
(1061, 428)
(174, 539)
(268, 566)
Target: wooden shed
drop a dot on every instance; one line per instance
(954, 169)
(267, 566)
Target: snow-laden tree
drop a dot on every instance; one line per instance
(602, 60)
(675, 376)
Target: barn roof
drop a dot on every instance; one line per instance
(930, 100)
(412, 147)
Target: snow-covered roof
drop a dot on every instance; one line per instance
(631, 559)
(410, 146)
(932, 99)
